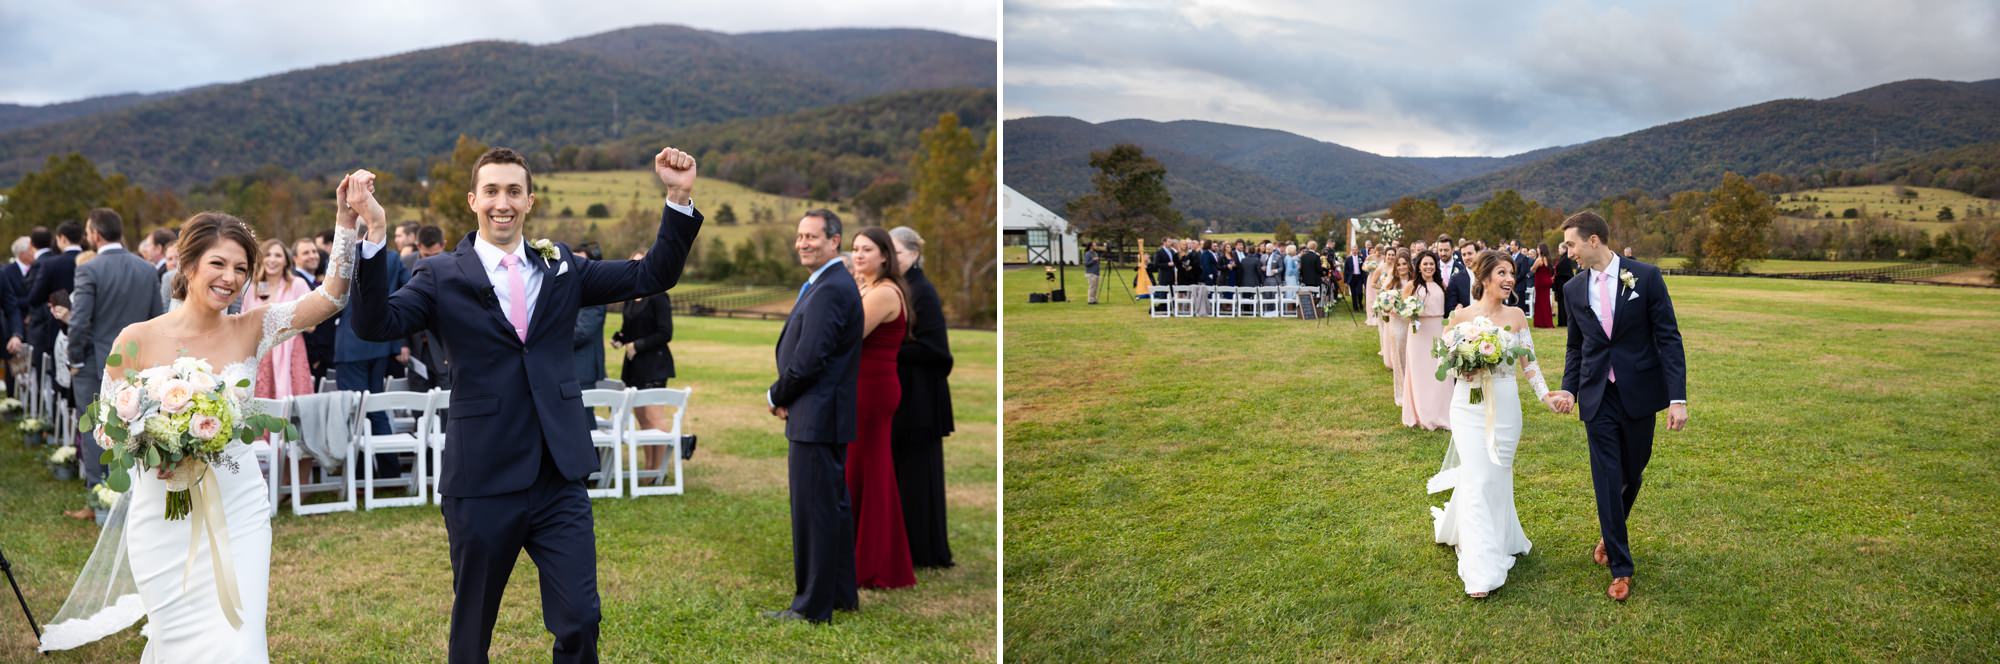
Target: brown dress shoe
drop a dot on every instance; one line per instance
(1620, 589)
(1602, 557)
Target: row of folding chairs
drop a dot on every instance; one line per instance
(1230, 301)
(417, 431)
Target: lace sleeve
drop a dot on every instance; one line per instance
(277, 326)
(1533, 369)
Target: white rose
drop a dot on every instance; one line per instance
(126, 400)
(203, 382)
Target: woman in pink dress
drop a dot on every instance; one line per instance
(282, 372)
(1426, 400)
(1399, 327)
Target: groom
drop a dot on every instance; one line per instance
(1624, 365)
(517, 447)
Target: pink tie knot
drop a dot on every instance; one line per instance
(509, 260)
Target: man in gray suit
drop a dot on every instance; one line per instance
(113, 290)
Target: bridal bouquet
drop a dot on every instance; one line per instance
(1387, 302)
(178, 416)
(1469, 350)
(1410, 308)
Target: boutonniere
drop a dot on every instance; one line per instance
(546, 248)
(1624, 277)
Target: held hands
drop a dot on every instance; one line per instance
(356, 195)
(676, 170)
(1559, 401)
(1677, 417)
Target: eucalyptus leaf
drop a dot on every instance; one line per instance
(119, 482)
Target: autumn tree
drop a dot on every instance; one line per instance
(1500, 218)
(1131, 200)
(953, 204)
(451, 179)
(1739, 218)
(1420, 217)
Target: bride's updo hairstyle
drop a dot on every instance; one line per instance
(1483, 265)
(200, 234)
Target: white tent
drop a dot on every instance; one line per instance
(1020, 214)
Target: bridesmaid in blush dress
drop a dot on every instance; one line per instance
(1426, 400)
(881, 543)
(1399, 327)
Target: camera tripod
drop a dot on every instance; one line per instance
(8, 569)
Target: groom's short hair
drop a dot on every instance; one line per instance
(503, 156)
(1587, 223)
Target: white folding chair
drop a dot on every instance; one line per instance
(434, 440)
(608, 435)
(344, 487)
(1162, 303)
(47, 403)
(1183, 301)
(269, 449)
(326, 385)
(411, 443)
(676, 399)
(1222, 301)
(1288, 302)
(1268, 302)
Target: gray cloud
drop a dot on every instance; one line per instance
(62, 51)
(1432, 78)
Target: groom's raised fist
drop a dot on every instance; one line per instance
(676, 170)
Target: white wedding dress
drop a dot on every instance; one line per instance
(141, 565)
(1479, 520)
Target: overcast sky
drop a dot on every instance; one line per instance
(63, 50)
(1435, 78)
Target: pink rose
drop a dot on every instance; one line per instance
(202, 382)
(175, 395)
(127, 403)
(1486, 348)
(204, 427)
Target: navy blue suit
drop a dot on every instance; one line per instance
(13, 305)
(54, 271)
(361, 366)
(1206, 264)
(1457, 288)
(1644, 351)
(819, 364)
(517, 444)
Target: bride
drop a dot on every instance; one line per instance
(1480, 520)
(144, 564)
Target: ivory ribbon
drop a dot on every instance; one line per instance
(207, 520)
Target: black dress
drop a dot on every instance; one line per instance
(649, 327)
(922, 421)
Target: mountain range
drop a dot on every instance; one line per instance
(588, 90)
(1220, 171)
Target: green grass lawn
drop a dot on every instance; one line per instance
(682, 578)
(1882, 199)
(617, 189)
(1186, 490)
(1776, 266)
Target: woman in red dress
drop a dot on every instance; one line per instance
(881, 544)
(1545, 281)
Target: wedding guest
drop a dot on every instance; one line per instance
(649, 360)
(110, 294)
(1311, 269)
(1162, 263)
(1250, 271)
(924, 418)
(819, 363)
(406, 242)
(1545, 280)
(881, 540)
(1358, 287)
(1091, 267)
(1628, 252)
(1565, 271)
(284, 370)
(1426, 400)
(1291, 267)
(587, 336)
(53, 272)
(430, 241)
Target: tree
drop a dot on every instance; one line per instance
(597, 211)
(451, 180)
(65, 189)
(1131, 200)
(953, 204)
(1420, 218)
(1740, 218)
(1283, 234)
(725, 215)
(1500, 218)
(1944, 214)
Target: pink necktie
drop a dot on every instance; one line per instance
(1604, 289)
(517, 296)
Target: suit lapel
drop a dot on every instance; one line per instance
(468, 262)
(548, 268)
